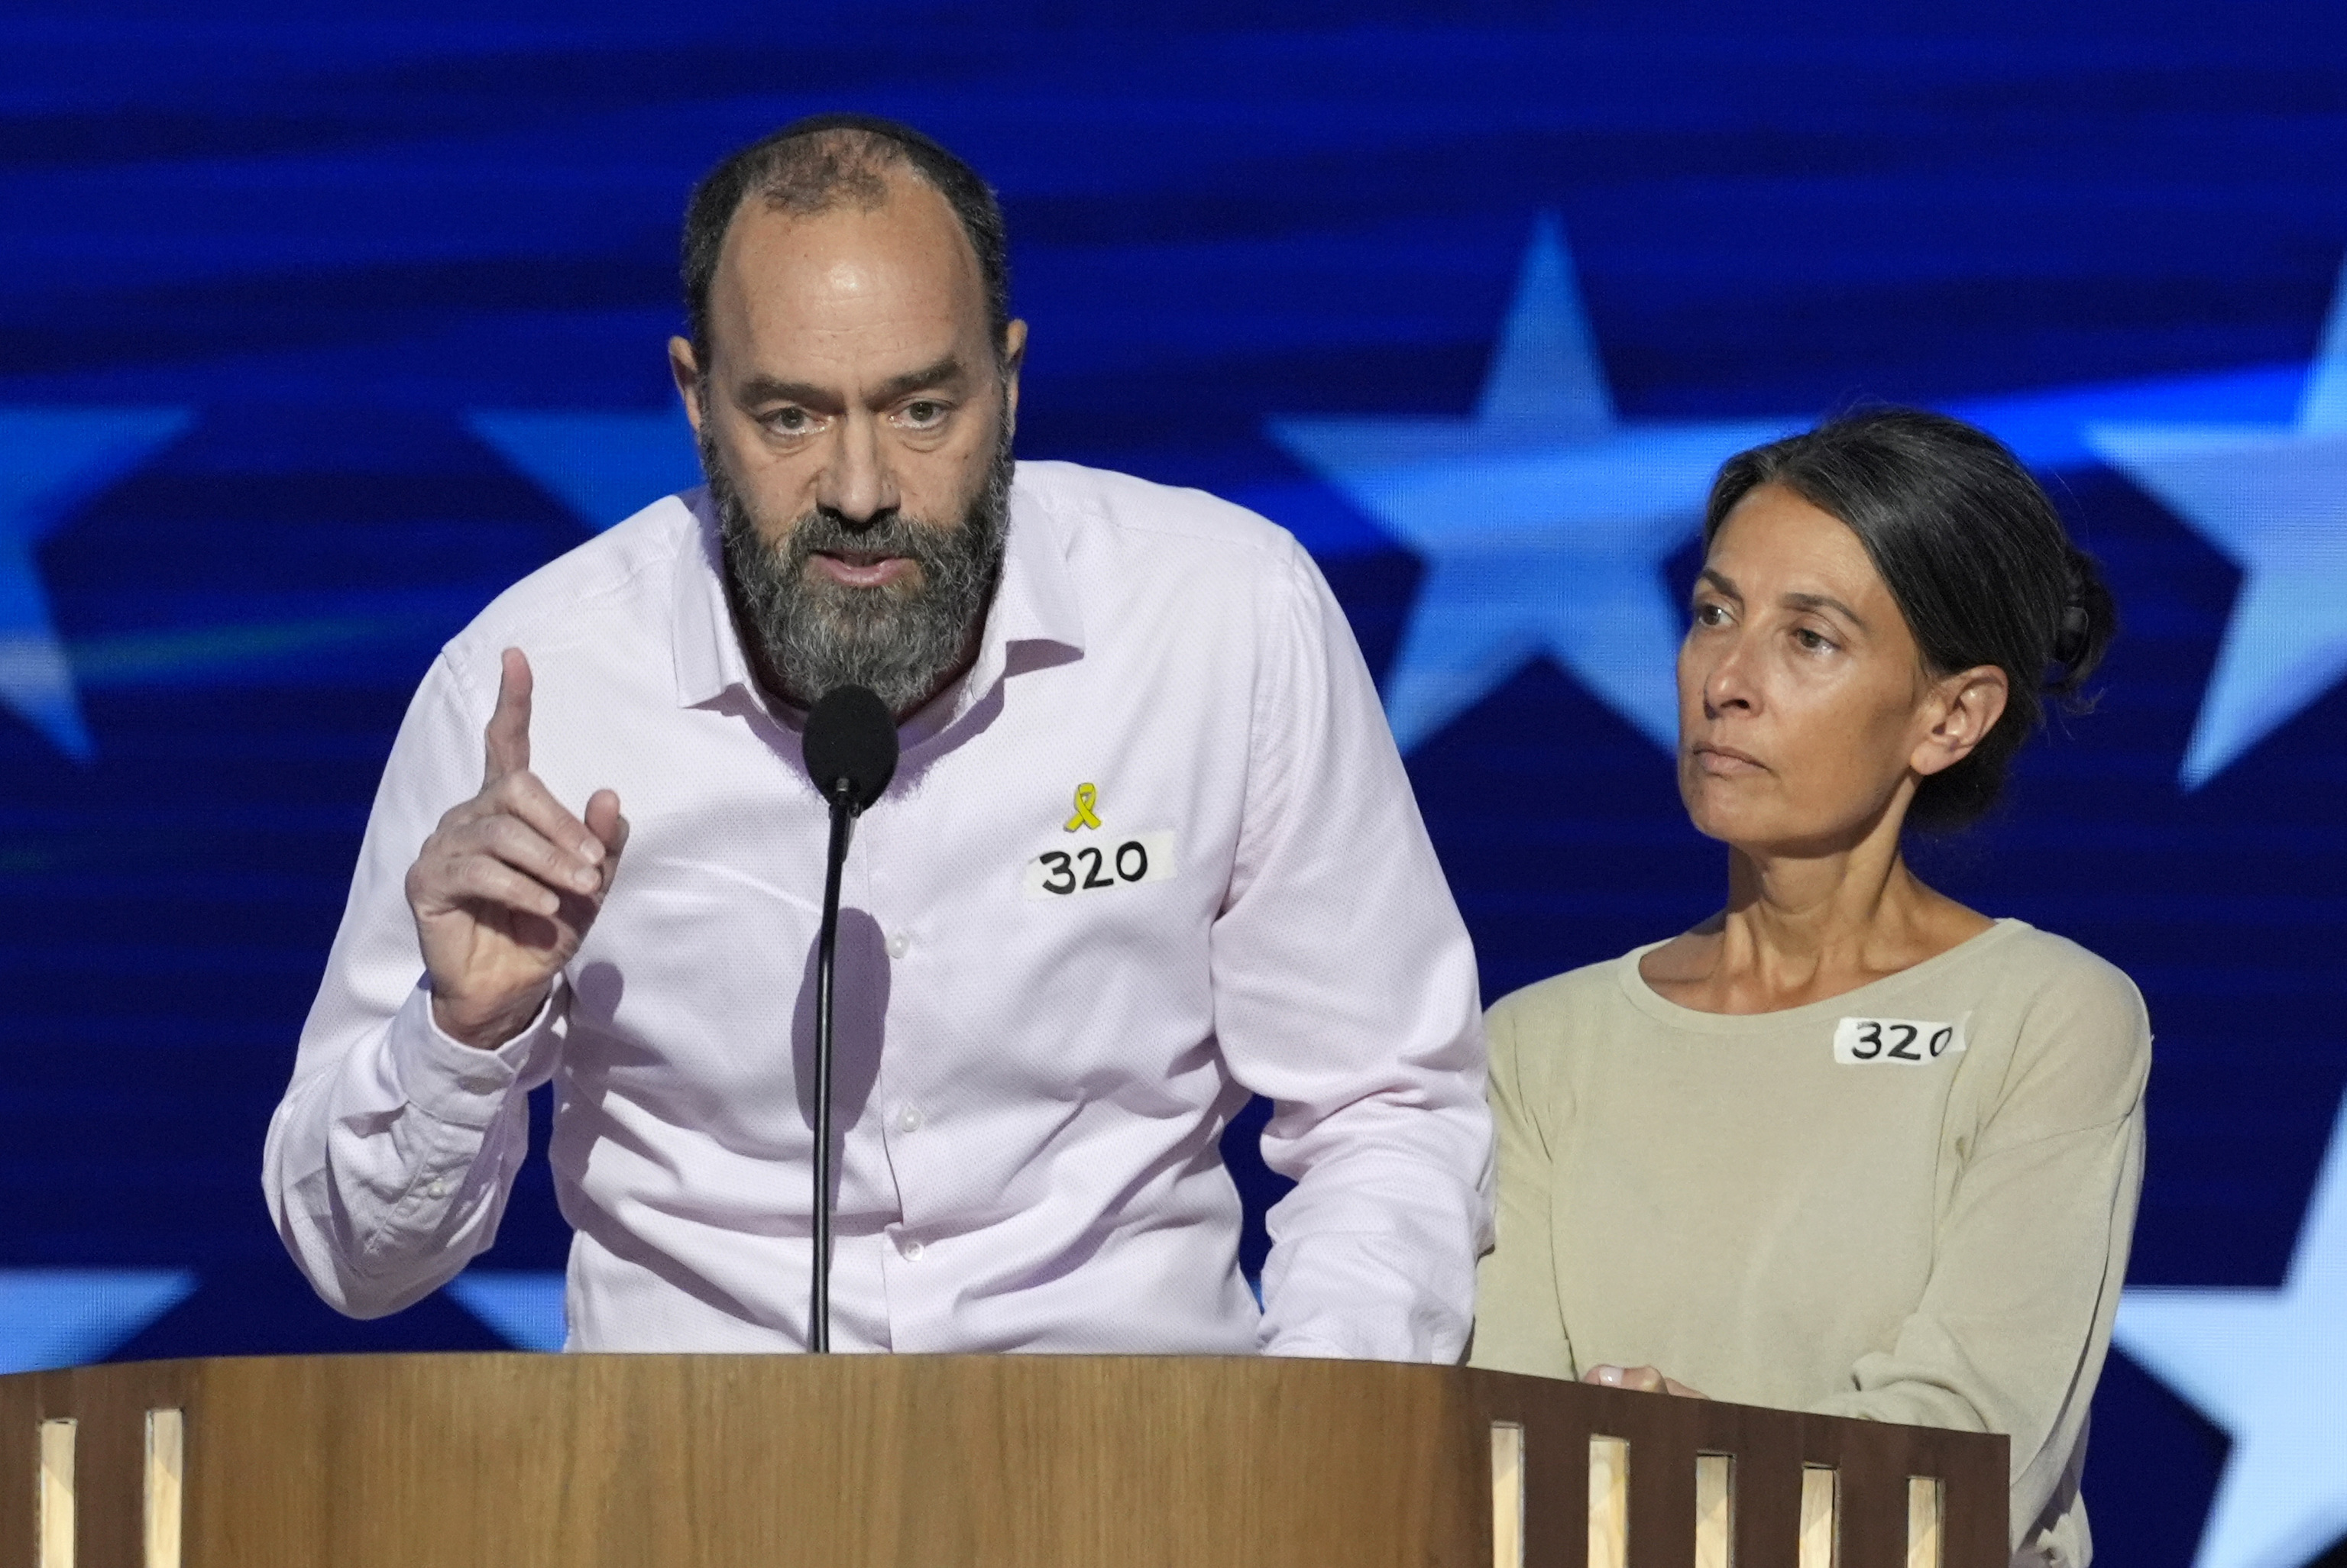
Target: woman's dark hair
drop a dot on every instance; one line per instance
(813, 165)
(1973, 552)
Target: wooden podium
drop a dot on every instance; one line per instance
(953, 1462)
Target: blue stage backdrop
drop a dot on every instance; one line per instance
(320, 325)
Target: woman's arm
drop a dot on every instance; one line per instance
(2015, 1319)
(1518, 1321)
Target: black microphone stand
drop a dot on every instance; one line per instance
(826, 951)
(851, 754)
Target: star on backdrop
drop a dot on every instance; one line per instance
(2271, 1368)
(604, 467)
(51, 460)
(2273, 499)
(72, 1316)
(525, 1306)
(1543, 520)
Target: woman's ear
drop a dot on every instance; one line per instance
(1962, 710)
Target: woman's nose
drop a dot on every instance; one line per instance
(1728, 684)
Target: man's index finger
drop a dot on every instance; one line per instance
(505, 741)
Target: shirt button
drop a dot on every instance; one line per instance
(909, 1119)
(899, 945)
(912, 1249)
(437, 1189)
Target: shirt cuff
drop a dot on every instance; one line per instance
(1308, 1348)
(450, 1081)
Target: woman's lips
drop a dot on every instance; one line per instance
(861, 571)
(1725, 761)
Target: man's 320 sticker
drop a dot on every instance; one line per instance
(1111, 862)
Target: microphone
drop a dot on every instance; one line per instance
(851, 754)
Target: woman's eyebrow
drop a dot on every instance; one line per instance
(1721, 581)
(1825, 602)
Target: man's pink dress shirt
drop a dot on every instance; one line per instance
(1155, 851)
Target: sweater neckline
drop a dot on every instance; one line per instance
(1864, 1000)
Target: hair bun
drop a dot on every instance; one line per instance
(2070, 636)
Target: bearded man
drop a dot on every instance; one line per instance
(1150, 849)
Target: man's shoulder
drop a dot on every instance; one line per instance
(622, 577)
(1142, 512)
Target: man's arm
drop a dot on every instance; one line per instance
(391, 1155)
(1344, 990)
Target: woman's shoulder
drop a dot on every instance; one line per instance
(1561, 1000)
(1532, 1031)
(2053, 973)
(2074, 1034)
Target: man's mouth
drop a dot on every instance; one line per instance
(860, 569)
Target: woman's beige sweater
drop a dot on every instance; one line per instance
(1814, 1210)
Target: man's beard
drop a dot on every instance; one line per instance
(899, 641)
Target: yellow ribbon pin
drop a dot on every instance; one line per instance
(1086, 799)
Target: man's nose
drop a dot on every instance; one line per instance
(858, 483)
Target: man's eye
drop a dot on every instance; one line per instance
(1812, 641)
(1711, 614)
(924, 413)
(789, 420)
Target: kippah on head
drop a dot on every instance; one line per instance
(820, 162)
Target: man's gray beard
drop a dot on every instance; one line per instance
(898, 642)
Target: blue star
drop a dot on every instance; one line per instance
(2273, 499)
(526, 1309)
(51, 460)
(69, 1317)
(2271, 1368)
(1543, 520)
(604, 467)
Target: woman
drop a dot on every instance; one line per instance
(1848, 1146)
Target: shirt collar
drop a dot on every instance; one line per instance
(1035, 620)
(708, 652)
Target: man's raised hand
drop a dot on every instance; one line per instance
(506, 887)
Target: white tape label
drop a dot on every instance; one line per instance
(1913, 1041)
(1115, 861)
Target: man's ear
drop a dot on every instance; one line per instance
(1014, 356)
(684, 369)
(1965, 708)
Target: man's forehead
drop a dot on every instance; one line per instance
(910, 226)
(895, 281)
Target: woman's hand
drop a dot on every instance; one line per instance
(1645, 1379)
